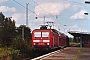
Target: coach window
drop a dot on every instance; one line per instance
(45, 34)
(37, 34)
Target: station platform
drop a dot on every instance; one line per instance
(71, 53)
(84, 54)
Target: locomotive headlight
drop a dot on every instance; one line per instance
(47, 43)
(34, 43)
(36, 40)
(46, 40)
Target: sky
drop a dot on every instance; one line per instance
(67, 15)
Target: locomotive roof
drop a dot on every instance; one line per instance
(54, 30)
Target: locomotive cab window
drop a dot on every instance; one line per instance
(41, 34)
(37, 34)
(45, 34)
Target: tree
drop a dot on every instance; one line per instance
(21, 44)
(7, 30)
(25, 31)
(2, 17)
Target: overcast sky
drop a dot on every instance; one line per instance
(62, 12)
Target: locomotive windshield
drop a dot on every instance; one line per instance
(45, 34)
(41, 34)
(37, 34)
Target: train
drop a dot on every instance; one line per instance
(48, 39)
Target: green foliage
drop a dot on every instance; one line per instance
(2, 17)
(12, 37)
(7, 30)
(9, 52)
(21, 44)
(26, 31)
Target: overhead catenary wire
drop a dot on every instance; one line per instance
(23, 6)
(31, 10)
(42, 8)
(57, 7)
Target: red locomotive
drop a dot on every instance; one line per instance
(44, 38)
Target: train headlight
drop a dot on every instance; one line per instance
(34, 43)
(46, 40)
(36, 40)
(47, 43)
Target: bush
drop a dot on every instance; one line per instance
(9, 52)
(21, 44)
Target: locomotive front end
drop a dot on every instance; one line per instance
(41, 39)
